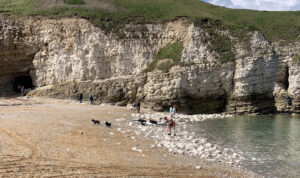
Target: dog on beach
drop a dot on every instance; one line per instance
(107, 124)
(96, 122)
(153, 121)
(142, 121)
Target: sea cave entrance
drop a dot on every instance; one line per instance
(17, 69)
(22, 80)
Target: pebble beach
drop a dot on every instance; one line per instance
(48, 137)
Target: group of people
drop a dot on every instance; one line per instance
(91, 98)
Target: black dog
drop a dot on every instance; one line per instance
(142, 121)
(107, 124)
(96, 122)
(153, 121)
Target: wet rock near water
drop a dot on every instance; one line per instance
(185, 142)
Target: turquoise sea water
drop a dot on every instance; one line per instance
(271, 143)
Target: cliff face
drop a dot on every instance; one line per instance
(68, 56)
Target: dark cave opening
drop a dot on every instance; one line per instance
(22, 80)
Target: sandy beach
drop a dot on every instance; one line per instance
(56, 138)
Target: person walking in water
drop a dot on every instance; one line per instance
(170, 125)
(80, 97)
(92, 98)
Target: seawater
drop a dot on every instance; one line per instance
(270, 143)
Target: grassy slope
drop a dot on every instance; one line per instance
(170, 51)
(275, 25)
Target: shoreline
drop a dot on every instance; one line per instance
(43, 131)
(186, 144)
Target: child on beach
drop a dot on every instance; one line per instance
(170, 125)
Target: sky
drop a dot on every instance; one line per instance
(269, 5)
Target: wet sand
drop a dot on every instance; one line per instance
(55, 138)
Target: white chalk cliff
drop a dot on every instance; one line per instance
(65, 57)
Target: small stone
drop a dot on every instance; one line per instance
(198, 167)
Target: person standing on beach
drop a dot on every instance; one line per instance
(134, 105)
(173, 112)
(80, 97)
(92, 98)
(138, 106)
(170, 110)
(22, 90)
(19, 88)
(170, 125)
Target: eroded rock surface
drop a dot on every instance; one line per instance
(65, 57)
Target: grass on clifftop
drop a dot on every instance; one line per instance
(113, 14)
(75, 2)
(171, 54)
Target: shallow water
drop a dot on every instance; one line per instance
(271, 143)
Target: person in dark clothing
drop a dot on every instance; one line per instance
(92, 98)
(80, 97)
(138, 106)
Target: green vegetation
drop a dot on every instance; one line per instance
(75, 2)
(221, 43)
(171, 53)
(276, 26)
(165, 66)
(296, 58)
(223, 46)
